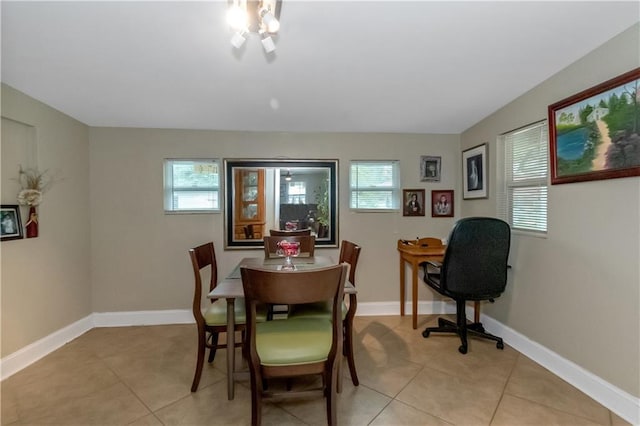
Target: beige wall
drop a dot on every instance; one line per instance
(576, 292)
(45, 281)
(139, 254)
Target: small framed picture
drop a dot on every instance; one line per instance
(413, 202)
(474, 172)
(442, 203)
(430, 168)
(10, 224)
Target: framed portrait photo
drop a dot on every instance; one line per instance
(430, 168)
(442, 203)
(413, 200)
(10, 223)
(474, 172)
(594, 134)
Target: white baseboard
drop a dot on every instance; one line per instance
(26, 356)
(125, 319)
(620, 402)
(393, 308)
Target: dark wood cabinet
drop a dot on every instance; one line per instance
(249, 204)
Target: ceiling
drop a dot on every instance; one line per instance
(340, 66)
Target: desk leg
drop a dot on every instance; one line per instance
(414, 293)
(402, 295)
(231, 347)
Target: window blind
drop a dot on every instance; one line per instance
(374, 185)
(297, 193)
(191, 185)
(525, 163)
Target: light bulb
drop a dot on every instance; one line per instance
(237, 17)
(270, 22)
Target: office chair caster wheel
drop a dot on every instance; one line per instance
(500, 345)
(462, 349)
(425, 333)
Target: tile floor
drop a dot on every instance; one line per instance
(142, 376)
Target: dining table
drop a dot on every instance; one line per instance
(230, 288)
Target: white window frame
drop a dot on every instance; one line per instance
(393, 186)
(523, 178)
(170, 190)
(300, 197)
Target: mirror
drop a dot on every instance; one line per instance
(280, 194)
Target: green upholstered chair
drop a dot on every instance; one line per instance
(349, 253)
(213, 320)
(293, 347)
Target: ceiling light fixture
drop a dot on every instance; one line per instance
(254, 16)
(288, 176)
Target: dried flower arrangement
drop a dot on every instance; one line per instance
(33, 184)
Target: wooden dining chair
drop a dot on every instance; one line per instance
(307, 249)
(307, 244)
(284, 233)
(349, 253)
(213, 320)
(294, 347)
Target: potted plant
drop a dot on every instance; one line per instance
(322, 214)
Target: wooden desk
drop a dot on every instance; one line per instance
(413, 253)
(230, 288)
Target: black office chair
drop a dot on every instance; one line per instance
(474, 268)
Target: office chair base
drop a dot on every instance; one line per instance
(474, 329)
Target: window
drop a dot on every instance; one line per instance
(523, 193)
(192, 185)
(297, 193)
(375, 185)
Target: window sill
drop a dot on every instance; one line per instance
(174, 212)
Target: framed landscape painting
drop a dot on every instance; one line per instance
(595, 134)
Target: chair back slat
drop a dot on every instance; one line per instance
(202, 257)
(293, 287)
(285, 233)
(349, 253)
